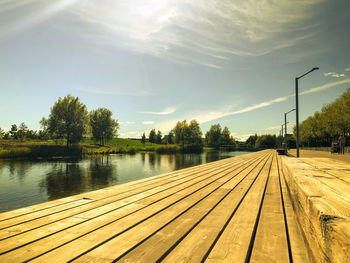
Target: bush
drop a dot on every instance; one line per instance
(167, 149)
(14, 152)
(192, 148)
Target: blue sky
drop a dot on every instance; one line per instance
(158, 61)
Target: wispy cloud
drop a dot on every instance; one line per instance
(211, 116)
(347, 69)
(272, 128)
(126, 123)
(136, 93)
(147, 122)
(325, 86)
(166, 111)
(130, 134)
(200, 31)
(38, 12)
(334, 74)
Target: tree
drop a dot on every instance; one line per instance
(2, 133)
(170, 138)
(213, 136)
(13, 131)
(194, 133)
(103, 127)
(266, 141)
(180, 131)
(226, 138)
(250, 142)
(143, 138)
(22, 131)
(159, 137)
(152, 136)
(68, 119)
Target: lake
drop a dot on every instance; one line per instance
(24, 182)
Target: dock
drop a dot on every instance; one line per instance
(249, 208)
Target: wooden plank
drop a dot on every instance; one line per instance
(233, 243)
(321, 214)
(299, 249)
(145, 228)
(181, 243)
(270, 243)
(43, 245)
(38, 233)
(126, 186)
(86, 205)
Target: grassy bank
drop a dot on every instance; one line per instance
(57, 148)
(50, 148)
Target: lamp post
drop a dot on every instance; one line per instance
(285, 128)
(297, 106)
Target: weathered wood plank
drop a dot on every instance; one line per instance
(270, 244)
(43, 245)
(233, 244)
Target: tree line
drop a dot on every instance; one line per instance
(326, 126)
(69, 120)
(190, 135)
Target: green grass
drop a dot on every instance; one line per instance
(119, 142)
(53, 148)
(14, 152)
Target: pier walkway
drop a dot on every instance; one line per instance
(233, 210)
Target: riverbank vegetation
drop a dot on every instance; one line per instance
(324, 127)
(70, 130)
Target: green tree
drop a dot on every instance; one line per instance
(2, 133)
(213, 136)
(143, 138)
(181, 130)
(13, 131)
(159, 137)
(103, 127)
(170, 138)
(250, 142)
(226, 138)
(266, 141)
(22, 131)
(194, 133)
(152, 136)
(68, 119)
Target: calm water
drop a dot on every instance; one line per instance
(24, 183)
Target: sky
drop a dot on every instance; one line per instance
(154, 62)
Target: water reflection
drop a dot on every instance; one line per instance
(24, 183)
(103, 173)
(67, 179)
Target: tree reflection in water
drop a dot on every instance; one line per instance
(24, 182)
(68, 178)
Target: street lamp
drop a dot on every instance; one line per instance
(285, 128)
(297, 106)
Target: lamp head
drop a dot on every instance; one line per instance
(316, 68)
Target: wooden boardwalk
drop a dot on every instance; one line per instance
(232, 210)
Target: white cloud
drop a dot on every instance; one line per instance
(135, 93)
(166, 111)
(325, 86)
(272, 128)
(347, 69)
(147, 122)
(205, 32)
(210, 116)
(334, 75)
(130, 134)
(43, 10)
(126, 123)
